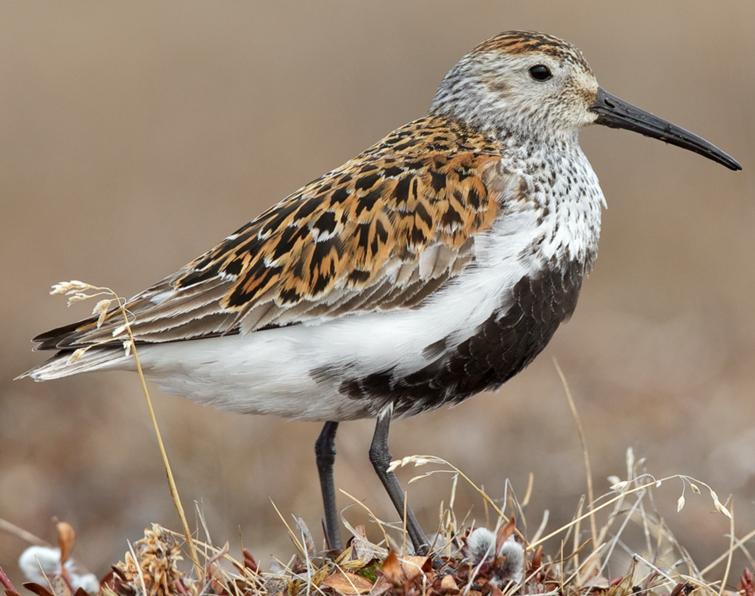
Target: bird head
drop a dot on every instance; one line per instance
(539, 88)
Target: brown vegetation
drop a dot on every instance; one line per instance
(626, 548)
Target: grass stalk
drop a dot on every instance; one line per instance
(172, 486)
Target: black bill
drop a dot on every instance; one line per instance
(616, 113)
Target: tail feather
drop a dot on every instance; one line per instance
(50, 340)
(64, 364)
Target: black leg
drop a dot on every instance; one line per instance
(325, 452)
(381, 459)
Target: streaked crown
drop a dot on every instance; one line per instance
(529, 42)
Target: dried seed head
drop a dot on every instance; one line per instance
(67, 287)
(102, 308)
(157, 556)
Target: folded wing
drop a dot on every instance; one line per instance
(384, 231)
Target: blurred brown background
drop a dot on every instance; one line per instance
(135, 135)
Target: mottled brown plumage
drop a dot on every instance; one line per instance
(412, 201)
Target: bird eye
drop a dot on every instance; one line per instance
(540, 72)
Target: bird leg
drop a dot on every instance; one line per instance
(325, 453)
(381, 459)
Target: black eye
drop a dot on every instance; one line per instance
(540, 72)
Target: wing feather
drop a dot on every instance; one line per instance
(383, 231)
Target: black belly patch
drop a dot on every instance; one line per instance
(502, 346)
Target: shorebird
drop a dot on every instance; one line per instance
(434, 265)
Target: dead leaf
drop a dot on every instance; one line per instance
(348, 584)
(249, 561)
(364, 549)
(537, 560)
(392, 569)
(66, 540)
(505, 532)
(381, 586)
(412, 566)
(37, 589)
(448, 585)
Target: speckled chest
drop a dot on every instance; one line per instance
(558, 197)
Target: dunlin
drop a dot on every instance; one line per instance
(434, 265)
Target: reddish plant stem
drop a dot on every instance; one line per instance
(5, 582)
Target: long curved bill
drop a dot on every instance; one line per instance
(616, 113)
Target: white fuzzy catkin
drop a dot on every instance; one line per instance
(481, 548)
(40, 564)
(513, 568)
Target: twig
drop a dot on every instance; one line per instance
(575, 573)
(7, 584)
(731, 551)
(291, 534)
(78, 291)
(138, 565)
(585, 452)
(659, 571)
(541, 527)
(21, 533)
(528, 490)
(163, 453)
(738, 542)
(380, 523)
(420, 460)
(620, 531)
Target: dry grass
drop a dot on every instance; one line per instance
(110, 304)
(627, 549)
(634, 551)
